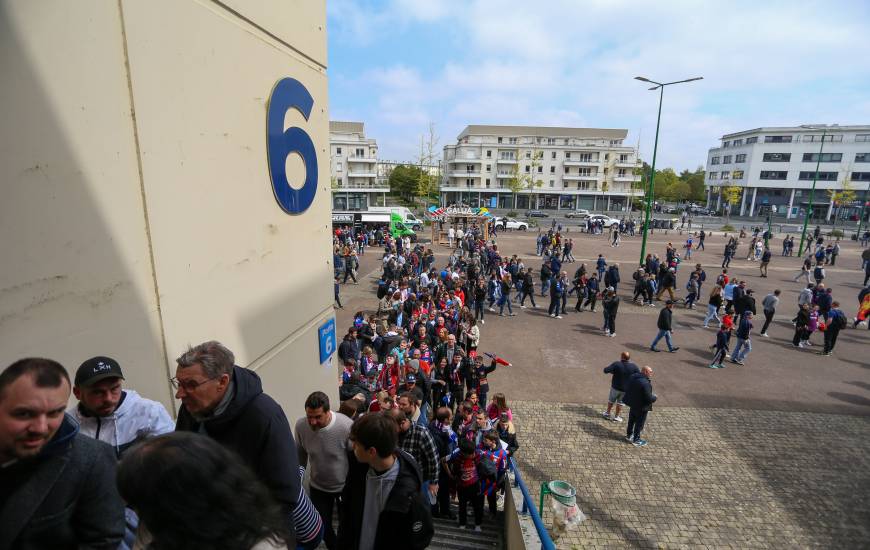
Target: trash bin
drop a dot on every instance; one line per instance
(566, 514)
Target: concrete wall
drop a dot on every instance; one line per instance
(137, 213)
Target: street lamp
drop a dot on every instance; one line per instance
(824, 128)
(649, 195)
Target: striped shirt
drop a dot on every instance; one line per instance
(306, 520)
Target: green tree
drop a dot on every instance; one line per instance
(528, 177)
(404, 181)
(731, 196)
(695, 180)
(428, 185)
(515, 183)
(678, 191)
(664, 179)
(840, 197)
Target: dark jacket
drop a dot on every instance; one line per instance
(611, 304)
(638, 392)
(665, 319)
(744, 328)
(611, 277)
(621, 371)
(65, 497)
(254, 426)
(406, 520)
(746, 303)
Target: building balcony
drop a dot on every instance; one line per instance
(504, 175)
(368, 160)
(506, 161)
(627, 178)
(370, 185)
(627, 164)
(362, 175)
(464, 161)
(578, 177)
(578, 162)
(464, 174)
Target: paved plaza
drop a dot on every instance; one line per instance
(768, 454)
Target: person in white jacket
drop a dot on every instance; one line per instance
(109, 413)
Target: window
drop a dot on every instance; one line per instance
(512, 141)
(551, 141)
(826, 157)
(776, 157)
(553, 155)
(540, 169)
(489, 167)
(586, 157)
(621, 173)
(338, 167)
(726, 159)
(528, 154)
(469, 182)
(738, 142)
(737, 174)
(568, 155)
(772, 175)
(725, 175)
(860, 176)
(552, 169)
(740, 158)
(714, 160)
(823, 176)
(552, 182)
(487, 182)
(862, 157)
(829, 138)
(469, 168)
(584, 171)
(528, 168)
(623, 158)
(489, 154)
(713, 175)
(499, 140)
(726, 144)
(338, 150)
(750, 141)
(606, 156)
(566, 141)
(862, 138)
(777, 139)
(360, 153)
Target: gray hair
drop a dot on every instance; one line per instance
(213, 356)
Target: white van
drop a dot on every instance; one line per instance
(408, 217)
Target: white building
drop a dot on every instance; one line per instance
(578, 167)
(776, 166)
(353, 160)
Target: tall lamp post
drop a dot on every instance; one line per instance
(824, 129)
(649, 194)
(863, 209)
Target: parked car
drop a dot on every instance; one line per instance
(608, 221)
(512, 224)
(536, 214)
(582, 213)
(699, 211)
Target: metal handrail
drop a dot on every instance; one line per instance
(529, 508)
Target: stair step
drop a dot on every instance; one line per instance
(487, 529)
(447, 544)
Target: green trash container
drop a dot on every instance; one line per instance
(562, 491)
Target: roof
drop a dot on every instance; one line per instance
(340, 127)
(799, 129)
(544, 131)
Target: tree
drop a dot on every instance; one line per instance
(515, 183)
(428, 185)
(528, 177)
(839, 198)
(731, 196)
(678, 191)
(404, 181)
(695, 180)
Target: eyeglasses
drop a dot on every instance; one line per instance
(189, 386)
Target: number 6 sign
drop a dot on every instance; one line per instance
(288, 94)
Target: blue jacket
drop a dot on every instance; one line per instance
(638, 392)
(621, 371)
(722, 338)
(600, 264)
(744, 328)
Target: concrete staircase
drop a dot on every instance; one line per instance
(448, 535)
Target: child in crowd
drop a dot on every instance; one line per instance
(723, 336)
(497, 406)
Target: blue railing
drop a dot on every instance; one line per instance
(529, 508)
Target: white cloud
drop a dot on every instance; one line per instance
(568, 63)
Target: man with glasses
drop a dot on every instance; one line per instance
(227, 403)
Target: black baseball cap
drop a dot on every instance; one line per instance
(97, 368)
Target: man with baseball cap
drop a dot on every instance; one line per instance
(109, 413)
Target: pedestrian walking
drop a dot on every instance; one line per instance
(620, 372)
(639, 397)
(768, 305)
(665, 326)
(744, 340)
(720, 347)
(836, 323)
(765, 261)
(714, 302)
(610, 305)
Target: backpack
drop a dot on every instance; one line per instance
(839, 321)
(382, 290)
(442, 440)
(486, 468)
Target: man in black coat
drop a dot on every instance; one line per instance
(665, 326)
(639, 397)
(57, 486)
(227, 403)
(382, 501)
(621, 371)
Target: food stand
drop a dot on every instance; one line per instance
(457, 217)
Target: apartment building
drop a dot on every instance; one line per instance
(353, 160)
(776, 167)
(577, 167)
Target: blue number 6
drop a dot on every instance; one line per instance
(289, 93)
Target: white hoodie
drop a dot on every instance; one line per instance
(136, 418)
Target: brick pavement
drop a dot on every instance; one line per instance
(714, 478)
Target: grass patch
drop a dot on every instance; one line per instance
(727, 227)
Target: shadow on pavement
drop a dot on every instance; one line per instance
(850, 398)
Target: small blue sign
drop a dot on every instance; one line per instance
(326, 335)
(493, 202)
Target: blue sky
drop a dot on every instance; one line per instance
(398, 65)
